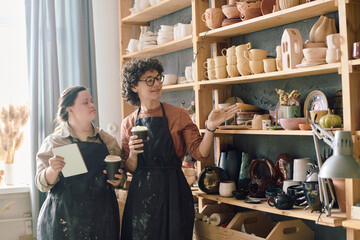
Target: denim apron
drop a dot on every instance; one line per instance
(82, 206)
(160, 204)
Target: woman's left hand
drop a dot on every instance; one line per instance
(218, 116)
(116, 183)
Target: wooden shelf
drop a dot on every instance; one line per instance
(351, 223)
(334, 220)
(354, 62)
(161, 9)
(289, 15)
(178, 87)
(172, 46)
(293, 73)
(263, 132)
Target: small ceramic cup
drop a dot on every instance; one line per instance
(266, 123)
(356, 50)
(269, 65)
(256, 66)
(226, 188)
(220, 72)
(210, 63)
(220, 61)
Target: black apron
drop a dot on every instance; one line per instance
(82, 206)
(159, 205)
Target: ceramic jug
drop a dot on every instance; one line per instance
(256, 122)
(262, 177)
(213, 17)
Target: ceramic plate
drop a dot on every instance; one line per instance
(232, 100)
(309, 64)
(316, 100)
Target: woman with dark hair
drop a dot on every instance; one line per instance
(82, 206)
(160, 205)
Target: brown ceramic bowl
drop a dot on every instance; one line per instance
(304, 126)
(291, 123)
(230, 11)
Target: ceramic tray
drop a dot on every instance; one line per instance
(316, 100)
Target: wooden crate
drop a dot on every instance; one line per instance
(257, 223)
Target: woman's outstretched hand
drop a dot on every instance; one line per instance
(218, 116)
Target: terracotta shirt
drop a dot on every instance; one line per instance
(184, 132)
(61, 138)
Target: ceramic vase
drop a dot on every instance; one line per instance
(9, 172)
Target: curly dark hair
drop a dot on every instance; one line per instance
(131, 73)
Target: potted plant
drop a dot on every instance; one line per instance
(289, 104)
(12, 122)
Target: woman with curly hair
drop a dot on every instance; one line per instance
(159, 203)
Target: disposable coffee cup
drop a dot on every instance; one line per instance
(112, 166)
(141, 132)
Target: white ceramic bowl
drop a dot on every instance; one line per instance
(170, 79)
(166, 28)
(315, 53)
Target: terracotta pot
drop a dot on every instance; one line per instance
(213, 17)
(249, 9)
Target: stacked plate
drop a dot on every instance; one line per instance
(147, 40)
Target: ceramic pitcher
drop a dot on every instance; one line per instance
(213, 17)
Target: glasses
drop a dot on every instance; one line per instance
(150, 81)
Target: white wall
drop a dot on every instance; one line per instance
(106, 28)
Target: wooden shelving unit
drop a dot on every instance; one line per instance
(169, 47)
(263, 132)
(334, 220)
(351, 223)
(220, 89)
(294, 14)
(178, 87)
(161, 9)
(293, 73)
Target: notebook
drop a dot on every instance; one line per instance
(74, 162)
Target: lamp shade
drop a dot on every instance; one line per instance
(341, 164)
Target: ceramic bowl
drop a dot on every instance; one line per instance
(240, 194)
(291, 123)
(304, 126)
(315, 53)
(170, 79)
(230, 11)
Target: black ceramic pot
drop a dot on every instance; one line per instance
(282, 201)
(210, 178)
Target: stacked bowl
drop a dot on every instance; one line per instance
(165, 34)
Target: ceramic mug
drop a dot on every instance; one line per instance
(333, 40)
(220, 61)
(279, 65)
(269, 65)
(255, 54)
(266, 123)
(333, 55)
(239, 50)
(210, 74)
(356, 50)
(232, 70)
(229, 51)
(243, 67)
(256, 66)
(210, 63)
(220, 72)
(231, 60)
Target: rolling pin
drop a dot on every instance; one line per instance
(220, 218)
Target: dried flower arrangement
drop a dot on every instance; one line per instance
(12, 121)
(286, 99)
